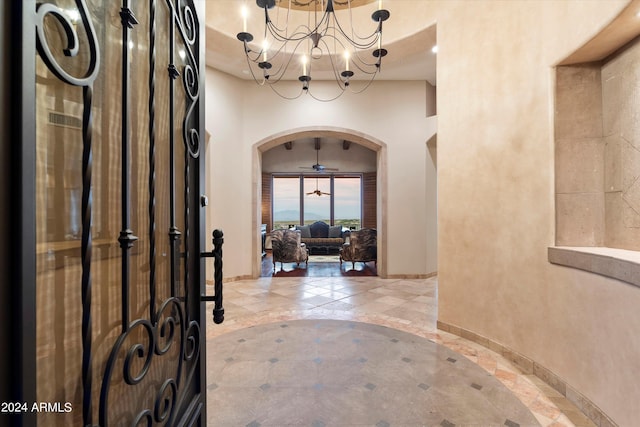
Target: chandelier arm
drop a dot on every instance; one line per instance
(357, 56)
(298, 35)
(273, 88)
(334, 67)
(335, 40)
(355, 39)
(285, 64)
(353, 29)
(255, 59)
(360, 64)
(248, 50)
(273, 29)
(260, 83)
(342, 43)
(366, 86)
(325, 100)
(365, 44)
(360, 59)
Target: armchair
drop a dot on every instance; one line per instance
(362, 247)
(287, 246)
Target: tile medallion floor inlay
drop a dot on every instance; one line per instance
(338, 372)
(266, 369)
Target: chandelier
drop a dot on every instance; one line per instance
(305, 38)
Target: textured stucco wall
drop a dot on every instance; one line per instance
(496, 207)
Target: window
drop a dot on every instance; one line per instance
(286, 201)
(304, 199)
(347, 199)
(317, 200)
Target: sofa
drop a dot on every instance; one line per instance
(321, 238)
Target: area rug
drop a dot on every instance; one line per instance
(324, 258)
(342, 373)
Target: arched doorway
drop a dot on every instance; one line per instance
(321, 131)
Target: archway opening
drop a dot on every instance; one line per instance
(284, 139)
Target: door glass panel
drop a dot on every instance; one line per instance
(153, 347)
(59, 183)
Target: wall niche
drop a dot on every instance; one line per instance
(597, 152)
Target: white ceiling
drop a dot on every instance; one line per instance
(410, 56)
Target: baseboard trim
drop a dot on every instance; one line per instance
(529, 366)
(411, 276)
(231, 279)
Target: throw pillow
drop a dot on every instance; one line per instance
(304, 230)
(335, 231)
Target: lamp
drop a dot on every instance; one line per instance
(308, 36)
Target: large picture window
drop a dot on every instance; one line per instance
(304, 199)
(316, 202)
(286, 201)
(347, 201)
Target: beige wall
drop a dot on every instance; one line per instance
(496, 210)
(228, 175)
(495, 199)
(391, 116)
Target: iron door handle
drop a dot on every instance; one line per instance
(216, 254)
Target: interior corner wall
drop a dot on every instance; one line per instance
(228, 173)
(496, 206)
(241, 114)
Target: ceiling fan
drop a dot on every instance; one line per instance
(318, 167)
(317, 192)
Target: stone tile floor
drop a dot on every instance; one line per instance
(405, 305)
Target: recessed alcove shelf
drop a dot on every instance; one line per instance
(597, 159)
(618, 264)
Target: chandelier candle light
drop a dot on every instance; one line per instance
(311, 31)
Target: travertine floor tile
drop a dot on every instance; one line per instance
(269, 382)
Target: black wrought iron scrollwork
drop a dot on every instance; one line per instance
(143, 416)
(187, 24)
(164, 404)
(192, 89)
(84, 80)
(168, 331)
(138, 350)
(49, 9)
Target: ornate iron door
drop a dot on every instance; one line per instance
(119, 221)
